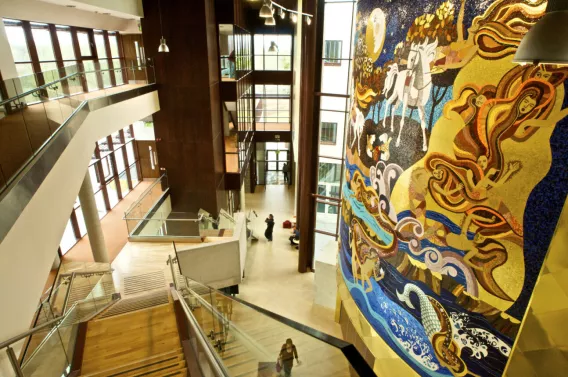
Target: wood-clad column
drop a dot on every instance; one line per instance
(188, 126)
(308, 130)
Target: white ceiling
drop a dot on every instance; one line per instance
(127, 9)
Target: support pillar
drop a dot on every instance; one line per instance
(92, 221)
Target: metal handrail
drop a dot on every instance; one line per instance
(214, 360)
(23, 335)
(51, 83)
(354, 358)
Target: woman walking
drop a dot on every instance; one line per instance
(269, 227)
(287, 355)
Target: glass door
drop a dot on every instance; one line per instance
(277, 156)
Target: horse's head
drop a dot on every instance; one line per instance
(421, 53)
(392, 70)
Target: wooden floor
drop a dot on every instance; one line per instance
(114, 229)
(134, 342)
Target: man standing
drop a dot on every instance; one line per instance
(286, 170)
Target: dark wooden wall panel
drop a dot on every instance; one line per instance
(189, 122)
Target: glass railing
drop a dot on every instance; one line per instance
(142, 208)
(83, 292)
(151, 216)
(34, 107)
(250, 340)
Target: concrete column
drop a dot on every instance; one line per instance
(92, 222)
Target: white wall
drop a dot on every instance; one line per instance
(219, 262)
(27, 251)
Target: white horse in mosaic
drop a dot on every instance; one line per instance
(412, 86)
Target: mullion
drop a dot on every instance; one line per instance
(109, 59)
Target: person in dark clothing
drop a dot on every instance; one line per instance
(295, 236)
(286, 170)
(287, 355)
(269, 227)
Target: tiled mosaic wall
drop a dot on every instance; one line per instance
(455, 178)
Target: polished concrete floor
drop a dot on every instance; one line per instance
(272, 280)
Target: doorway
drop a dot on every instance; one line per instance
(272, 158)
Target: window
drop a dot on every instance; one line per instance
(272, 52)
(329, 172)
(322, 192)
(332, 52)
(19, 46)
(328, 133)
(272, 107)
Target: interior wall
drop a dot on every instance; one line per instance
(452, 195)
(27, 251)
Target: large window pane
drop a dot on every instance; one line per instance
(105, 74)
(118, 72)
(113, 45)
(92, 82)
(112, 193)
(101, 208)
(134, 175)
(81, 221)
(84, 43)
(100, 45)
(65, 42)
(119, 158)
(17, 40)
(42, 40)
(124, 189)
(68, 239)
(329, 172)
(130, 152)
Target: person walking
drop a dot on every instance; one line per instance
(286, 170)
(287, 355)
(269, 227)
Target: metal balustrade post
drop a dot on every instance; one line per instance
(14, 361)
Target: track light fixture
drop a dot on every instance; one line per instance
(163, 46)
(266, 10)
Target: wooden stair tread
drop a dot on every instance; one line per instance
(176, 355)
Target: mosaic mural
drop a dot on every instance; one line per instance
(453, 175)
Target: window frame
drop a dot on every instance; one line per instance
(332, 61)
(328, 142)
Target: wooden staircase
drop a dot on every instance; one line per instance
(135, 340)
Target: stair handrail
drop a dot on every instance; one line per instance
(237, 331)
(32, 331)
(352, 355)
(214, 360)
